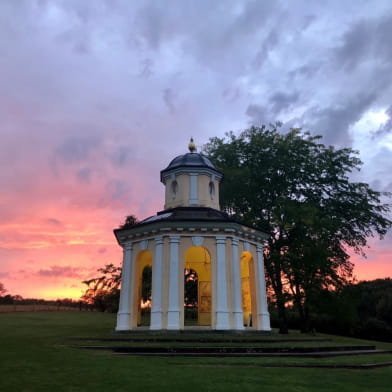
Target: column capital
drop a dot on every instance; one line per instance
(174, 238)
(128, 246)
(220, 239)
(235, 241)
(159, 240)
(197, 240)
(246, 246)
(143, 244)
(259, 248)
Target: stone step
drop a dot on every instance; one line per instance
(239, 349)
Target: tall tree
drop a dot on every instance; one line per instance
(299, 192)
(103, 291)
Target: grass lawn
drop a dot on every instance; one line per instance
(35, 356)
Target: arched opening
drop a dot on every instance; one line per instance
(247, 287)
(191, 282)
(144, 275)
(198, 265)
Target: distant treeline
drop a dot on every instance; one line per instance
(362, 310)
(16, 303)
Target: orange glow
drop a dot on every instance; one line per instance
(145, 304)
(55, 239)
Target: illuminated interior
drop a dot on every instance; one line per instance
(143, 261)
(246, 286)
(198, 259)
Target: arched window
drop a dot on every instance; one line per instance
(197, 286)
(212, 190)
(144, 282)
(247, 287)
(174, 189)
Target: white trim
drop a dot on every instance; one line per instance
(124, 315)
(197, 240)
(236, 277)
(263, 317)
(143, 244)
(173, 312)
(212, 235)
(222, 310)
(157, 278)
(193, 194)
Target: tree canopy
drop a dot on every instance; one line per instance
(299, 191)
(103, 291)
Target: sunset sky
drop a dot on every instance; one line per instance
(96, 97)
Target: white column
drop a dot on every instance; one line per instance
(222, 311)
(237, 300)
(193, 195)
(173, 314)
(263, 317)
(124, 315)
(156, 309)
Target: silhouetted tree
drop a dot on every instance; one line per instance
(146, 283)
(190, 287)
(103, 291)
(2, 289)
(300, 193)
(130, 220)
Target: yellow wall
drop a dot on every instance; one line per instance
(246, 285)
(144, 259)
(182, 196)
(198, 259)
(205, 199)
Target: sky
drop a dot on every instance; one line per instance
(97, 96)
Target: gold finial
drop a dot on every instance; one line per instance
(192, 145)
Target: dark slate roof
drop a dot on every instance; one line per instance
(189, 214)
(191, 160)
(185, 214)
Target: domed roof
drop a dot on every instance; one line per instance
(192, 160)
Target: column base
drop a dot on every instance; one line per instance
(238, 320)
(123, 322)
(222, 320)
(156, 320)
(173, 319)
(263, 322)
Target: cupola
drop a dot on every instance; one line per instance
(191, 180)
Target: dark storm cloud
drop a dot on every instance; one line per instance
(107, 92)
(307, 71)
(334, 122)
(77, 149)
(122, 155)
(61, 271)
(258, 114)
(53, 222)
(118, 190)
(282, 101)
(146, 66)
(368, 39)
(269, 113)
(169, 97)
(84, 174)
(268, 44)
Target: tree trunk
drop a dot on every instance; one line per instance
(283, 328)
(304, 316)
(274, 274)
